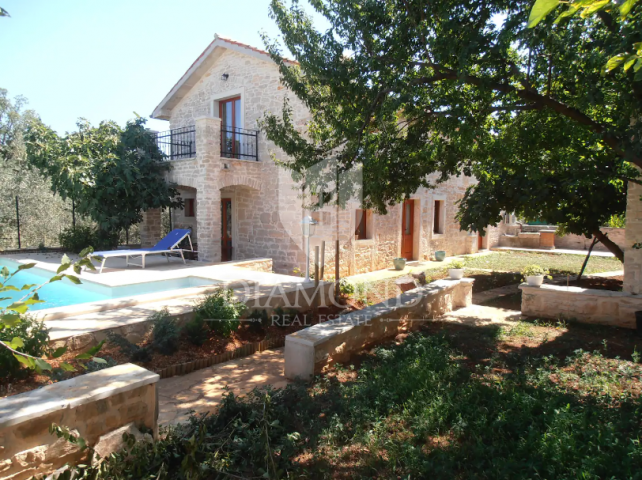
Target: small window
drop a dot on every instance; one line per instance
(438, 219)
(361, 227)
(189, 207)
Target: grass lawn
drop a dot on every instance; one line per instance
(531, 400)
(556, 263)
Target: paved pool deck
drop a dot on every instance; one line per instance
(77, 320)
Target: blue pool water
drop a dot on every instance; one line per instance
(63, 293)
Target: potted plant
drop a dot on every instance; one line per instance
(399, 263)
(534, 275)
(456, 270)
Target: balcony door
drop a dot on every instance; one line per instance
(230, 114)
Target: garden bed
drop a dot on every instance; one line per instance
(213, 346)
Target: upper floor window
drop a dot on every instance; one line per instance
(438, 217)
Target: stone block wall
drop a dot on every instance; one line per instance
(308, 351)
(584, 305)
(150, 228)
(91, 405)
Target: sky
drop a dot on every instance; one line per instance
(106, 59)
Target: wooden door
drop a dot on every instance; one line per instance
(229, 113)
(408, 229)
(480, 241)
(226, 229)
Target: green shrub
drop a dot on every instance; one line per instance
(259, 320)
(534, 270)
(195, 331)
(166, 333)
(131, 350)
(75, 239)
(457, 264)
(221, 311)
(35, 336)
(346, 288)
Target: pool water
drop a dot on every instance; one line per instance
(63, 292)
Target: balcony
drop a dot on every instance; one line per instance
(239, 143)
(177, 143)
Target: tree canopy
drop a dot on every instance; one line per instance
(112, 174)
(409, 88)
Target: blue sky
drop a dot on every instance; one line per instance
(105, 60)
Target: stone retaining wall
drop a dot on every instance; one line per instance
(583, 305)
(308, 351)
(92, 406)
(257, 264)
(529, 237)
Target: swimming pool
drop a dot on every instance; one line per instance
(64, 293)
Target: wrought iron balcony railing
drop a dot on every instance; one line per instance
(177, 143)
(239, 143)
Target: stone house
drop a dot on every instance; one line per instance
(241, 205)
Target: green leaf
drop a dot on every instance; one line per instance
(26, 361)
(614, 62)
(10, 319)
(569, 12)
(95, 349)
(67, 367)
(637, 65)
(83, 356)
(626, 8)
(5, 272)
(628, 63)
(63, 267)
(86, 251)
(29, 286)
(594, 7)
(56, 278)
(42, 365)
(74, 279)
(17, 342)
(99, 360)
(9, 288)
(540, 10)
(59, 352)
(26, 266)
(20, 307)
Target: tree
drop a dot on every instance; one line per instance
(112, 174)
(409, 88)
(41, 212)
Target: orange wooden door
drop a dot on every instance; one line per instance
(226, 229)
(407, 229)
(480, 241)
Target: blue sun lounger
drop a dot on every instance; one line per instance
(166, 246)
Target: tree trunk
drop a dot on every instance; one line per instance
(588, 255)
(606, 241)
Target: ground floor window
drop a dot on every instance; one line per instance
(438, 218)
(363, 224)
(189, 207)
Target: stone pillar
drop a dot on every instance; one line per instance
(150, 228)
(547, 239)
(208, 197)
(633, 234)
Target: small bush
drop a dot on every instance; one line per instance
(35, 336)
(259, 320)
(76, 239)
(221, 311)
(346, 288)
(534, 270)
(166, 333)
(457, 264)
(92, 366)
(195, 331)
(131, 350)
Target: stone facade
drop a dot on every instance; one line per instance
(633, 256)
(91, 406)
(267, 205)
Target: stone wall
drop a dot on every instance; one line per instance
(529, 238)
(583, 305)
(150, 228)
(308, 351)
(92, 406)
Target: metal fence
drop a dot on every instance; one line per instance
(239, 143)
(177, 143)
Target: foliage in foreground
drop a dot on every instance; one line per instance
(414, 411)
